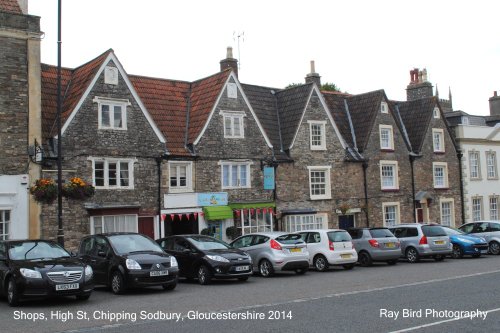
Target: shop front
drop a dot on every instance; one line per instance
(254, 217)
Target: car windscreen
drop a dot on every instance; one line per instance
(290, 239)
(453, 231)
(339, 236)
(433, 231)
(381, 233)
(207, 243)
(32, 250)
(133, 243)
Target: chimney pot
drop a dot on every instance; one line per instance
(229, 53)
(229, 62)
(495, 93)
(313, 69)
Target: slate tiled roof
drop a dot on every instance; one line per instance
(10, 6)
(336, 105)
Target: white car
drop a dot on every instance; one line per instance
(329, 247)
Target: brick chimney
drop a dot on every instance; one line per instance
(229, 62)
(495, 105)
(313, 76)
(418, 87)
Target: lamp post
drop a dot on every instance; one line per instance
(60, 231)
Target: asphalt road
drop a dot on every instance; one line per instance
(426, 296)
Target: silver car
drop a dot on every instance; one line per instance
(422, 241)
(375, 244)
(274, 251)
(489, 230)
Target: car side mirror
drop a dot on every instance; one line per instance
(101, 254)
(187, 251)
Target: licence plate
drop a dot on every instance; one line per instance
(296, 249)
(391, 245)
(242, 268)
(158, 273)
(439, 242)
(345, 256)
(70, 286)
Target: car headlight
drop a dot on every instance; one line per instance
(483, 240)
(173, 262)
(217, 258)
(88, 272)
(29, 273)
(132, 264)
(463, 240)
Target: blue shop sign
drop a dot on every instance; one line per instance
(268, 178)
(212, 199)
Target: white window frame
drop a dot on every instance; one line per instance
(395, 169)
(189, 176)
(436, 113)
(493, 203)
(328, 189)
(93, 221)
(442, 211)
(239, 165)
(122, 103)
(389, 129)
(475, 170)
(297, 223)
(444, 167)
(5, 222)
(233, 116)
(465, 120)
(477, 208)
(397, 213)
(384, 107)
(322, 127)
(130, 162)
(491, 165)
(438, 145)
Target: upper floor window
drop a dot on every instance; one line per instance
(465, 120)
(391, 213)
(491, 164)
(386, 137)
(180, 174)
(319, 182)
(317, 135)
(233, 124)
(113, 173)
(389, 175)
(112, 113)
(438, 140)
(475, 172)
(440, 171)
(436, 113)
(384, 108)
(235, 174)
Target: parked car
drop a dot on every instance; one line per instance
(41, 268)
(464, 244)
(206, 257)
(489, 230)
(122, 260)
(275, 252)
(375, 244)
(422, 241)
(329, 247)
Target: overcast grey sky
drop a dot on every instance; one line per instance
(360, 45)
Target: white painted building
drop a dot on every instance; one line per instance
(14, 207)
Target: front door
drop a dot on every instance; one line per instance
(215, 229)
(346, 221)
(146, 226)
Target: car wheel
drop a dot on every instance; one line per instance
(494, 248)
(457, 252)
(412, 255)
(243, 278)
(392, 262)
(300, 271)
(117, 283)
(266, 268)
(348, 266)
(169, 286)
(439, 257)
(12, 293)
(365, 259)
(320, 263)
(83, 297)
(204, 275)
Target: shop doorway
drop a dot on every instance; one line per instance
(181, 224)
(215, 229)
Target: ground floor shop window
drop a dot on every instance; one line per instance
(253, 220)
(294, 223)
(113, 223)
(4, 224)
(215, 229)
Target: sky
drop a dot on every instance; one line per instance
(360, 45)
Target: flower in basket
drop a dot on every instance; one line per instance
(78, 189)
(44, 190)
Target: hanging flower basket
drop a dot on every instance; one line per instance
(77, 189)
(44, 190)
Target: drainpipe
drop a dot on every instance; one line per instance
(412, 159)
(459, 156)
(365, 166)
(158, 165)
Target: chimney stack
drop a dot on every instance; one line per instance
(229, 62)
(495, 104)
(418, 87)
(313, 76)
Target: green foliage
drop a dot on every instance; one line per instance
(232, 232)
(324, 87)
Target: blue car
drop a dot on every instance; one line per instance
(464, 244)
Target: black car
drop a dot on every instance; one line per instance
(122, 260)
(205, 257)
(41, 268)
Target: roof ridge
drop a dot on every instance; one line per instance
(157, 78)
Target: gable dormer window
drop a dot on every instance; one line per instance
(112, 113)
(436, 113)
(111, 75)
(317, 135)
(232, 91)
(233, 124)
(384, 108)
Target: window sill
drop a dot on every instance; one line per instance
(318, 148)
(390, 190)
(441, 188)
(321, 198)
(387, 150)
(439, 152)
(180, 190)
